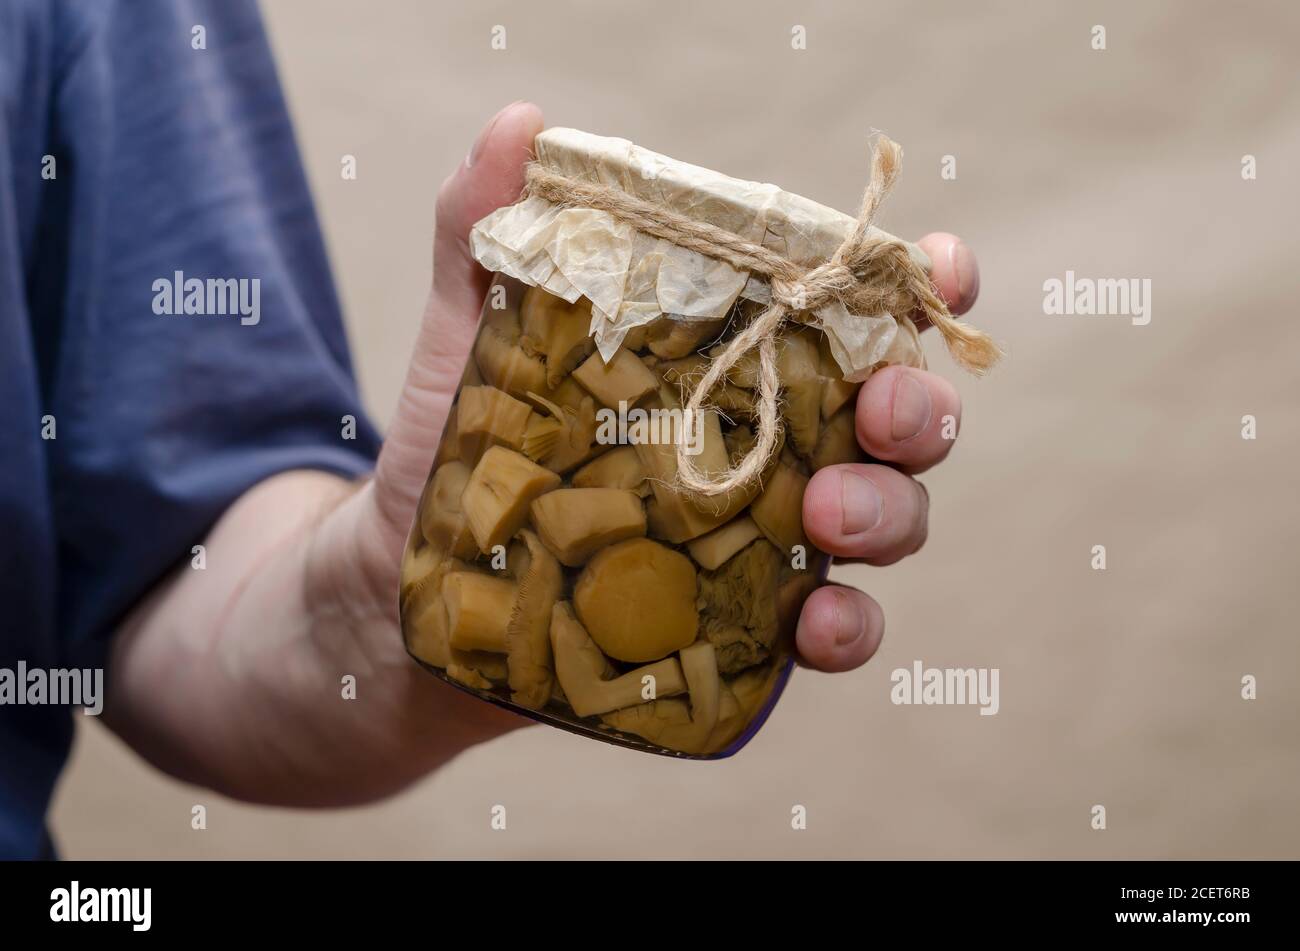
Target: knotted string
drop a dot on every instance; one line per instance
(870, 274)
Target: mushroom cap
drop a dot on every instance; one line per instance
(637, 600)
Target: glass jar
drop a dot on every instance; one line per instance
(558, 566)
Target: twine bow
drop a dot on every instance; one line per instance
(869, 274)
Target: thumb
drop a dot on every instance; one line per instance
(491, 176)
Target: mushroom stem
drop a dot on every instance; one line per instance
(498, 493)
(478, 610)
(575, 523)
(674, 724)
(582, 670)
(528, 642)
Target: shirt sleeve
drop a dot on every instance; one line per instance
(183, 290)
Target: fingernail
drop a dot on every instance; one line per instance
(968, 275)
(861, 503)
(483, 136)
(911, 407)
(850, 624)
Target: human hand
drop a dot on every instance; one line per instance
(230, 677)
(874, 512)
(878, 512)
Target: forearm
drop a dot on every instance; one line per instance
(232, 676)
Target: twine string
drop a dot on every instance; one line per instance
(870, 274)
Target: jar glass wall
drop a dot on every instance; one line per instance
(557, 566)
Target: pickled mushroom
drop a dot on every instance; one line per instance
(624, 379)
(677, 520)
(468, 676)
(419, 564)
(684, 371)
(488, 664)
(501, 360)
(734, 400)
(676, 724)
(793, 591)
(561, 437)
(839, 441)
(424, 614)
(589, 680)
(637, 600)
(744, 372)
(687, 372)
(740, 700)
(671, 339)
(498, 493)
(426, 633)
(802, 384)
(801, 410)
(740, 440)
(544, 435)
(575, 523)
(442, 519)
(711, 459)
(557, 693)
(449, 445)
(730, 720)
(778, 510)
(752, 687)
(837, 391)
(619, 468)
(555, 330)
(487, 417)
(711, 550)
(478, 610)
(676, 514)
(667, 396)
(568, 394)
(528, 642)
(738, 608)
(635, 339)
(471, 376)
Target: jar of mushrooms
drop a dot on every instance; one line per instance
(558, 564)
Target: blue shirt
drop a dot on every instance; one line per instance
(126, 156)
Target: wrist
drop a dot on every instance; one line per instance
(352, 561)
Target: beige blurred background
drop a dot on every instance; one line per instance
(1119, 687)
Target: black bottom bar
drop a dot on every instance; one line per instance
(1174, 900)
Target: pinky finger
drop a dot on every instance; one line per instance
(839, 629)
